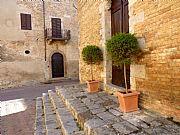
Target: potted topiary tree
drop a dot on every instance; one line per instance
(123, 48)
(92, 55)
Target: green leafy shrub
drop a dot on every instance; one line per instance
(123, 48)
(92, 55)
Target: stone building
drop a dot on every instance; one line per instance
(38, 41)
(156, 24)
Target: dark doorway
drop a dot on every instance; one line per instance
(56, 27)
(120, 23)
(57, 65)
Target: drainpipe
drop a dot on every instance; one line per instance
(44, 17)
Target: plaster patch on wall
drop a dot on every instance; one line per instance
(132, 2)
(134, 19)
(141, 42)
(138, 71)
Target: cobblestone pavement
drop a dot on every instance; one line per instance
(99, 113)
(22, 123)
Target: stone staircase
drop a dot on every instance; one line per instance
(71, 110)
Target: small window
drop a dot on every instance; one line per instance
(26, 21)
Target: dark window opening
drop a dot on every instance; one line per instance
(27, 52)
(26, 21)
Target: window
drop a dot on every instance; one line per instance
(26, 21)
(56, 27)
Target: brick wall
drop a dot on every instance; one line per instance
(89, 21)
(157, 23)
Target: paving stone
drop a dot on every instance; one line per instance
(78, 133)
(173, 128)
(104, 131)
(155, 123)
(140, 133)
(146, 118)
(105, 98)
(115, 112)
(94, 106)
(125, 127)
(94, 123)
(113, 98)
(157, 131)
(54, 132)
(98, 110)
(99, 101)
(80, 109)
(86, 100)
(102, 94)
(109, 104)
(83, 117)
(105, 116)
(63, 111)
(114, 120)
(39, 122)
(138, 123)
(92, 96)
(80, 95)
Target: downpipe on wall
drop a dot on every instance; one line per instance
(44, 20)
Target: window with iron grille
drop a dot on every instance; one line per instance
(25, 21)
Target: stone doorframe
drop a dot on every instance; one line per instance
(50, 63)
(105, 12)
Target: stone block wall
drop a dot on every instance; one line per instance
(90, 26)
(157, 75)
(66, 10)
(17, 67)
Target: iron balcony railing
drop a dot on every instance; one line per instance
(59, 35)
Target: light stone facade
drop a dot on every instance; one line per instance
(156, 74)
(19, 68)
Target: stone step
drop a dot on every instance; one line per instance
(98, 114)
(51, 125)
(68, 124)
(39, 120)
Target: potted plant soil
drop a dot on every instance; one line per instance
(123, 49)
(92, 55)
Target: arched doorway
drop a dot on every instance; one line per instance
(120, 23)
(57, 65)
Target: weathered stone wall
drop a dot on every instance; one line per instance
(18, 68)
(90, 26)
(158, 74)
(66, 10)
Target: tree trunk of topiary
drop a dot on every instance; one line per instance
(125, 80)
(92, 78)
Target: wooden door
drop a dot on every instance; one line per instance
(57, 65)
(56, 27)
(120, 23)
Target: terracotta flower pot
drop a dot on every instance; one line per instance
(128, 102)
(93, 86)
